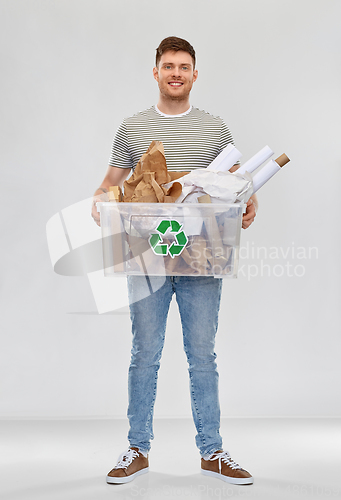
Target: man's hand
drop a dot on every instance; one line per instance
(100, 195)
(250, 214)
(114, 177)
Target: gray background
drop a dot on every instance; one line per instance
(71, 71)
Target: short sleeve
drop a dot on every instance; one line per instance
(120, 155)
(225, 137)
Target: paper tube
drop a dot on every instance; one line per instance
(282, 160)
(270, 169)
(214, 236)
(256, 160)
(226, 159)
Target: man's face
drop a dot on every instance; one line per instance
(175, 75)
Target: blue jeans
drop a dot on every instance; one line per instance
(198, 300)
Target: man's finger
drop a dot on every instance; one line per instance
(250, 215)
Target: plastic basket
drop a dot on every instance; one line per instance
(171, 239)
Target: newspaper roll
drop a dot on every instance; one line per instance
(269, 170)
(226, 159)
(256, 160)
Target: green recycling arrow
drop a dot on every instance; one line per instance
(166, 224)
(155, 240)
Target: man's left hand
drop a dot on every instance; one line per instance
(250, 214)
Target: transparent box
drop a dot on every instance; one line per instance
(172, 239)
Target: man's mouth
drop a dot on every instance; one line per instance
(175, 84)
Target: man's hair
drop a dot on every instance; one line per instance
(175, 44)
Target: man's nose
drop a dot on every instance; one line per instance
(176, 71)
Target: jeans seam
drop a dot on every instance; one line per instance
(150, 416)
(197, 411)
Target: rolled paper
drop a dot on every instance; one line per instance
(214, 236)
(256, 160)
(270, 169)
(226, 159)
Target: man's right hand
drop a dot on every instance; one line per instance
(114, 177)
(100, 195)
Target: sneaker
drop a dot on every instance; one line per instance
(130, 464)
(221, 465)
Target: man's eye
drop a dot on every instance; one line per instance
(185, 67)
(168, 67)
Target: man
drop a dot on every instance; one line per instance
(192, 139)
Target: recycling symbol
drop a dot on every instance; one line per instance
(175, 248)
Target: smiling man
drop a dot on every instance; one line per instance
(175, 74)
(192, 138)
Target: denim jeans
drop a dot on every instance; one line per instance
(198, 300)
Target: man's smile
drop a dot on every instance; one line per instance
(175, 84)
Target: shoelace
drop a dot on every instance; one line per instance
(226, 458)
(126, 458)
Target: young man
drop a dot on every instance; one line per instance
(192, 139)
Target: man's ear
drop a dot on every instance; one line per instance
(156, 74)
(195, 75)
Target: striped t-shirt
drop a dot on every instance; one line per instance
(191, 140)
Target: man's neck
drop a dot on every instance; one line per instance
(173, 107)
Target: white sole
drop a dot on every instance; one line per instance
(227, 479)
(127, 479)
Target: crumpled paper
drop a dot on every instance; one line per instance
(222, 187)
(152, 183)
(147, 183)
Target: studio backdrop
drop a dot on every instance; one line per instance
(71, 71)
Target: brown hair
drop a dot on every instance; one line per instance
(175, 44)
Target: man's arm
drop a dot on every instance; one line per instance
(251, 206)
(114, 177)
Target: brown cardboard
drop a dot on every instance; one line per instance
(141, 252)
(282, 160)
(150, 174)
(115, 193)
(199, 264)
(176, 175)
(204, 199)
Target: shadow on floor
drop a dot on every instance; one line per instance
(156, 486)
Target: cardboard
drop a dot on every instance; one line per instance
(146, 183)
(282, 160)
(115, 193)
